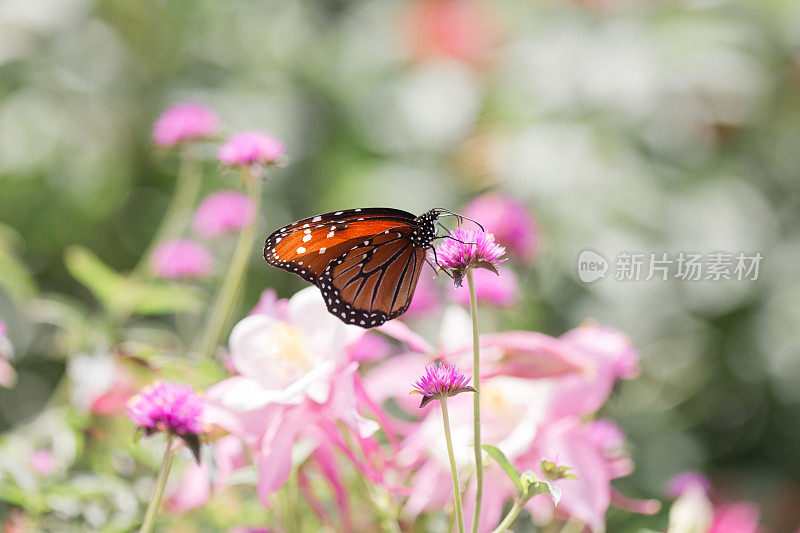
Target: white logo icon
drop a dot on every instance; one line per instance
(591, 266)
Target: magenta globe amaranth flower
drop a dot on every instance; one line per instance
(166, 406)
(223, 212)
(469, 248)
(251, 148)
(185, 122)
(175, 408)
(441, 380)
(181, 258)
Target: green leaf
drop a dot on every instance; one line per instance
(14, 275)
(93, 274)
(545, 487)
(161, 298)
(512, 473)
(121, 295)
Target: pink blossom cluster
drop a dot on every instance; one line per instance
(469, 247)
(441, 380)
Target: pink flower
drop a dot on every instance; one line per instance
(181, 258)
(510, 222)
(740, 517)
(441, 380)
(490, 288)
(461, 29)
(42, 462)
(369, 347)
(610, 355)
(250, 148)
(185, 122)
(295, 381)
(469, 248)
(222, 212)
(270, 304)
(113, 401)
(680, 483)
(165, 406)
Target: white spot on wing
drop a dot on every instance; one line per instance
(307, 238)
(301, 250)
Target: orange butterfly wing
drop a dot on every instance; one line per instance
(307, 247)
(374, 281)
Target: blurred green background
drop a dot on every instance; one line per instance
(650, 126)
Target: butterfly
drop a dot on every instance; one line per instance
(365, 262)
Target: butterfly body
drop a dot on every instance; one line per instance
(366, 262)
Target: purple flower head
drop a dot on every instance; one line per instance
(680, 483)
(510, 222)
(166, 406)
(441, 380)
(251, 148)
(469, 248)
(172, 407)
(185, 122)
(222, 212)
(180, 258)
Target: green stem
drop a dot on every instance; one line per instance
(234, 278)
(158, 490)
(453, 469)
(510, 517)
(476, 401)
(178, 213)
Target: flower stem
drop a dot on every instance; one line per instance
(476, 401)
(174, 222)
(453, 469)
(158, 491)
(510, 517)
(234, 277)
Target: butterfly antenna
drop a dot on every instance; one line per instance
(461, 218)
(453, 238)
